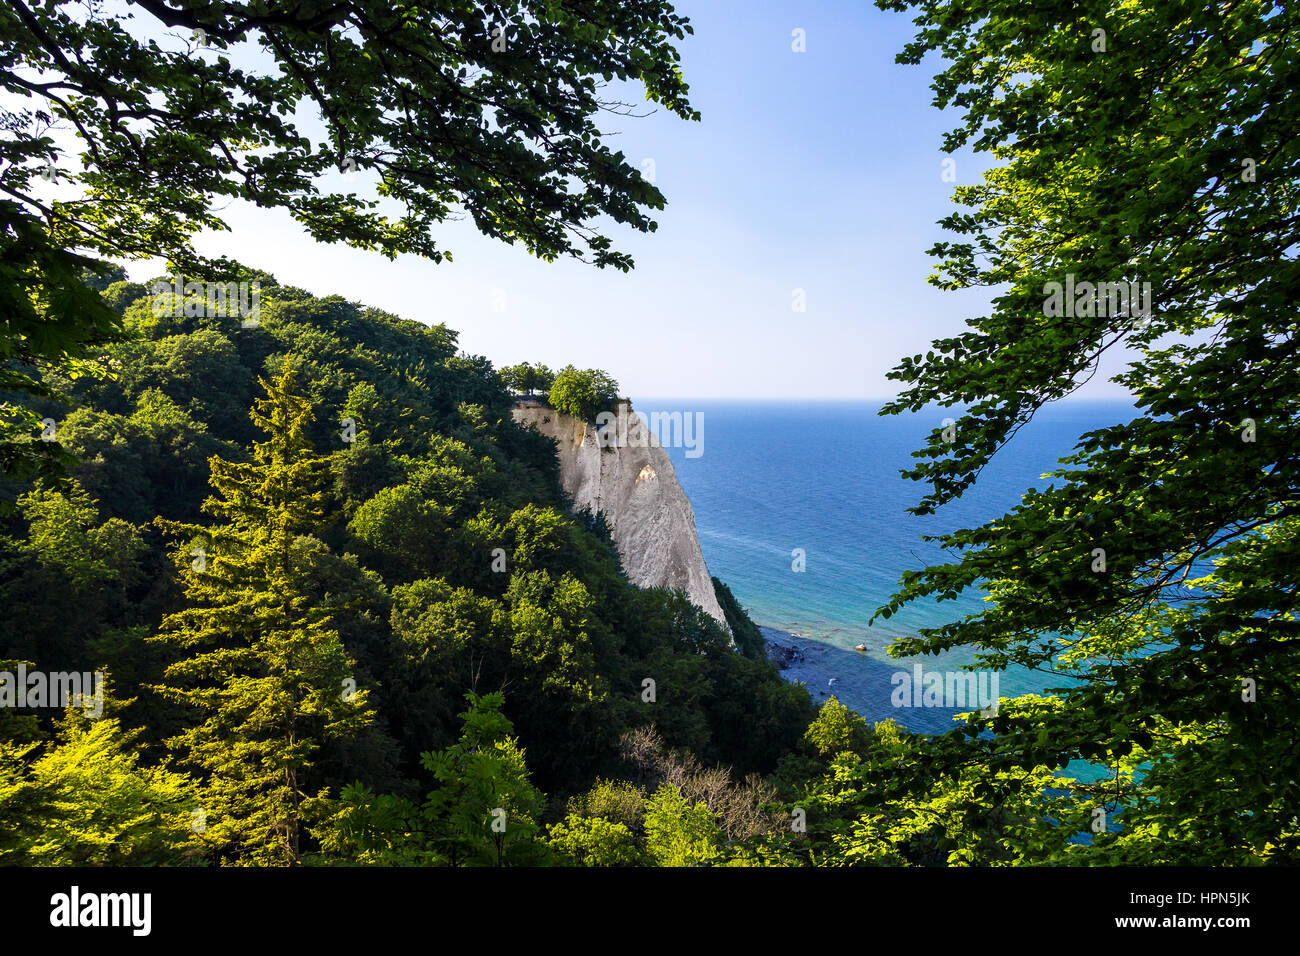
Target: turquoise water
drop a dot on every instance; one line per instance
(824, 477)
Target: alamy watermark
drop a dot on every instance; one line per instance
(1101, 299)
(670, 429)
(956, 690)
(74, 908)
(61, 689)
(209, 299)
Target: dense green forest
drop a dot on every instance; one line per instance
(383, 472)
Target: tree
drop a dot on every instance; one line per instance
(443, 107)
(594, 841)
(1141, 143)
(566, 711)
(542, 379)
(484, 807)
(679, 833)
(749, 639)
(267, 669)
(87, 801)
(67, 580)
(153, 461)
(837, 729)
(482, 810)
(583, 393)
(402, 92)
(976, 817)
(121, 294)
(527, 378)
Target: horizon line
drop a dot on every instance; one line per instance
(844, 399)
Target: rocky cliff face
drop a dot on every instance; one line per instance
(632, 483)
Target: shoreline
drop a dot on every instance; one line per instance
(851, 677)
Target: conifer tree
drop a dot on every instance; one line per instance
(266, 669)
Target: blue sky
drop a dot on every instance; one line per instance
(818, 171)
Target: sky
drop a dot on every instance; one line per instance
(818, 171)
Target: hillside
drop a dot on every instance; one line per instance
(448, 557)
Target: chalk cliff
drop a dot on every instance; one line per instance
(632, 483)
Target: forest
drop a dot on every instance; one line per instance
(319, 624)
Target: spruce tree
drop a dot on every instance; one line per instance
(266, 670)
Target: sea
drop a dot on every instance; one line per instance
(801, 510)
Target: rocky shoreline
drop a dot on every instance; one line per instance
(801, 660)
(854, 678)
(783, 656)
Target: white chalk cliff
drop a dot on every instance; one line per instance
(632, 483)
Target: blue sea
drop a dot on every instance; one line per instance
(824, 477)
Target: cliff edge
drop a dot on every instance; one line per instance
(633, 484)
